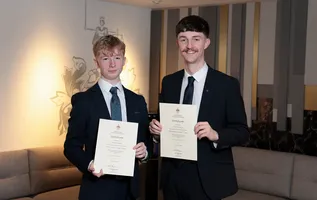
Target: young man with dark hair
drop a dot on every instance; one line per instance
(221, 120)
(107, 99)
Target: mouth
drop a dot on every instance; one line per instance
(190, 52)
(112, 71)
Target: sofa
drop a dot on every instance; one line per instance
(271, 175)
(39, 173)
(42, 173)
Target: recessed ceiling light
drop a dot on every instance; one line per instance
(156, 1)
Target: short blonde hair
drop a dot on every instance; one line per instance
(108, 43)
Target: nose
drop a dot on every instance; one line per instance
(112, 62)
(189, 45)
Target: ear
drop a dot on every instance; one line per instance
(96, 62)
(207, 43)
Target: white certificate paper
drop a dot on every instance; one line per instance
(178, 139)
(114, 150)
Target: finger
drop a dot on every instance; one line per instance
(201, 132)
(91, 168)
(154, 129)
(157, 124)
(140, 149)
(198, 128)
(202, 135)
(202, 124)
(156, 132)
(98, 174)
(139, 152)
(140, 155)
(138, 145)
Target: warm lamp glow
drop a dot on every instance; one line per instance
(35, 82)
(128, 76)
(44, 76)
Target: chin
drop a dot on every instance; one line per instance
(191, 61)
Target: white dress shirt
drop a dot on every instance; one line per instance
(199, 83)
(105, 87)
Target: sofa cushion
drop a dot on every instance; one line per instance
(49, 170)
(304, 182)
(69, 193)
(248, 195)
(264, 171)
(14, 177)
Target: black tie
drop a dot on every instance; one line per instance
(189, 91)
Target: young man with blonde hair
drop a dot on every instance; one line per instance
(107, 99)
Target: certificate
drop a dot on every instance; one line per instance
(114, 150)
(178, 139)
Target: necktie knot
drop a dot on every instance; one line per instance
(113, 90)
(191, 80)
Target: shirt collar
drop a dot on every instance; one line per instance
(106, 86)
(200, 74)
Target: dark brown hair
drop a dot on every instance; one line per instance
(192, 23)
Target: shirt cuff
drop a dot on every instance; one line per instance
(90, 164)
(156, 139)
(145, 157)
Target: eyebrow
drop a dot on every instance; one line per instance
(192, 36)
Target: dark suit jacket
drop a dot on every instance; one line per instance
(79, 148)
(222, 106)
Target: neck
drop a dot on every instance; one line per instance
(192, 68)
(112, 82)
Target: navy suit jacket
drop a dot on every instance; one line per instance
(222, 106)
(79, 147)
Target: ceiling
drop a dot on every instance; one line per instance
(178, 3)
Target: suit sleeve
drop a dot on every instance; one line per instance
(236, 131)
(75, 138)
(156, 139)
(161, 96)
(144, 127)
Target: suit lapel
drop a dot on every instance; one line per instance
(207, 95)
(177, 87)
(129, 104)
(101, 106)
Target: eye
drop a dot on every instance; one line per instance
(105, 58)
(182, 40)
(118, 58)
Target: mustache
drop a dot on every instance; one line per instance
(187, 49)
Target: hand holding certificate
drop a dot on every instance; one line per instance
(114, 149)
(178, 139)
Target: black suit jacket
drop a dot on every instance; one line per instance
(79, 147)
(222, 106)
